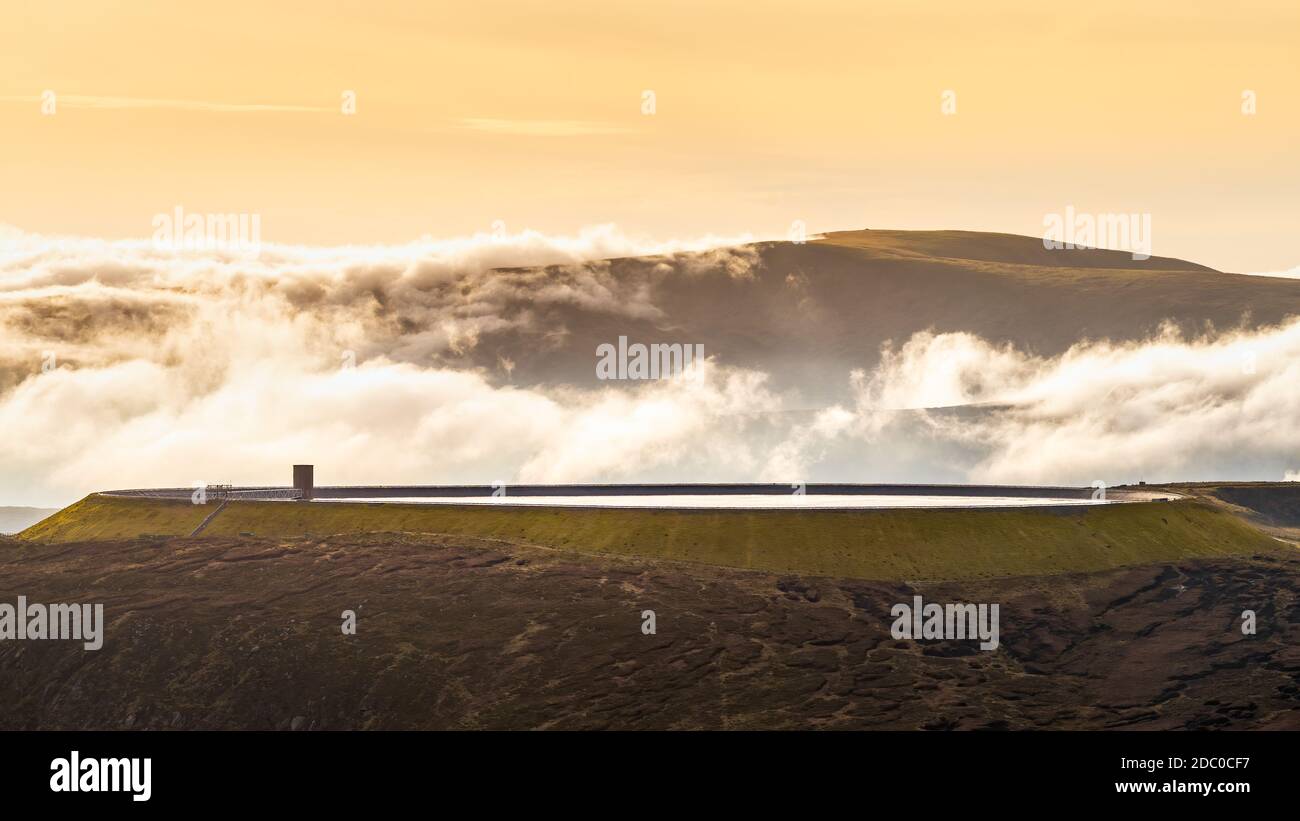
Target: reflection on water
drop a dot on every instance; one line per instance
(740, 501)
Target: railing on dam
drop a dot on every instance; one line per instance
(378, 492)
(213, 493)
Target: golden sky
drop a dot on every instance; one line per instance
(531, 113)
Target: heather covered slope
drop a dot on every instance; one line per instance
(452, 632)
(1122, 616)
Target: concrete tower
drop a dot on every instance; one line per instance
(303, 480)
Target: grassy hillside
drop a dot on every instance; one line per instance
(97, 518)
(1273, 507)
(1276, 504)
(870, 544)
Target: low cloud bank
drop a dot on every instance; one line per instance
(1166, 409)
(124, 366)
(1293, 273)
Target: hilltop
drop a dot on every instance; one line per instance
(809, 313)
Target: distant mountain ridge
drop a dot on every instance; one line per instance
(809, 313)
(15, 519)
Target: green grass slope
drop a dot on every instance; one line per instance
(868, 544)
(98, 518)
(1274, 503)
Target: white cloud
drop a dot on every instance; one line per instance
(541, 128)
(92, 101)
(178, 366)
(1167, 408)
(1294, 273)
(175, 367)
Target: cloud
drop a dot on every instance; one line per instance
(99, 302)
(1294, 273)
(111, 102)
(541, 128)
(1167, 408)
(253, 408)
(124, 365)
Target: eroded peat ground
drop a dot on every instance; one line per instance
(460, 633)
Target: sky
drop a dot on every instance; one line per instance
(535, 115)
(395, 156)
